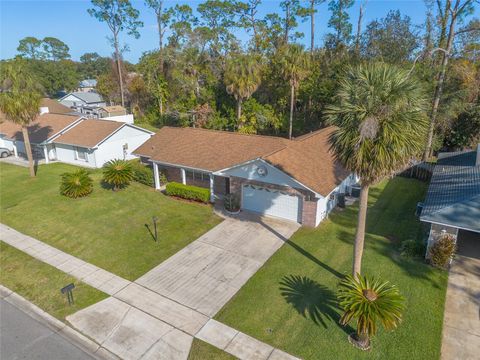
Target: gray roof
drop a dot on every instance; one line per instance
(453, 197)
(88, 83)
(88, 97)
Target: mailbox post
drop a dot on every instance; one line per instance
(68, 290)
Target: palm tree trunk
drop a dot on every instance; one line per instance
(439, 90)
(239, 113)
(28, 149)
(119, 69)
(292, 98)
(360, 235)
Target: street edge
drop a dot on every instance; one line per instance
(79, 340)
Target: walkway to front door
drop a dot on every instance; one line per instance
(461, 325)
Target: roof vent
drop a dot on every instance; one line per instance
(44, 110)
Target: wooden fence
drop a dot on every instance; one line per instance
(421, 171)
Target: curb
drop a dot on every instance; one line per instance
(57, 326)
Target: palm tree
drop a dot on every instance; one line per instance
(369, 301)
(242, 78)
(118, 173)
(294, 68)
(20, 101)
(381, 126)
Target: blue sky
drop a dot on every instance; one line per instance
(69, 21)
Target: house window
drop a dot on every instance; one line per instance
(196, 175)
(81, 154)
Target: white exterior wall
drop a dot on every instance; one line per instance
(112, 148)
(122, 118)
(66, 153)
(326, 205)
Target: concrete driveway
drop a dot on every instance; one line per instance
(461, 325)
(208, 272)
(157, 316)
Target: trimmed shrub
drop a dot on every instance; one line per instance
(442, 251)
(188, 192)
(76, 184)
(412, 248)
(118, 173)
(142, 173)
(231, 202)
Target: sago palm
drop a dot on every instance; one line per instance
(294, 66)
(369, 301)
(381, 125)
(20, 101)
(76, 184)
(118, 173)
(242, 78)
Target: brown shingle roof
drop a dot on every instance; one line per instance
(306, 159)
(89, 133)
(309, 160)
(54, 106)
(207, 149)
(44, 127)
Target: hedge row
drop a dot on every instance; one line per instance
(142, 173)
(188, 192)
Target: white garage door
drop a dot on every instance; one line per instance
(271, 202)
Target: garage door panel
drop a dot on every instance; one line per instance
(272, 203)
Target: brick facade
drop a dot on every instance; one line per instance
(309, 202)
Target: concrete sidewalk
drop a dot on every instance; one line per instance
(141, 323)
(461, 324)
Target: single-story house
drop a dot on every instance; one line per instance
(54, 106)
(75, 139)
(79, 99)
(298, 180)
(87, 85)
(114, 112)
(452, 203)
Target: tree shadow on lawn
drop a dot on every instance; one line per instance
(305, 253)
(311, 300)
(384, 235)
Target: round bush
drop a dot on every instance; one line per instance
(442, 251)
(76, 184)
(412, 248)
(118, 173)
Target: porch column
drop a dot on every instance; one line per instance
(45, 152)
(184, 177)
(15, 152)
(156, 176)
(212, 193)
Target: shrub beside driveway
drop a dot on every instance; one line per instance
(112, 230)
(291, 303)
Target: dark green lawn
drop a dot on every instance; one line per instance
(291, 302)
(200, 350)
(40, 283)
(106, 228)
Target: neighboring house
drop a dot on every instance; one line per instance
(114, 112)
(77, 100)
(94, 142)
(87, 85)
(54, 107)
(452, 203)
(75, 139)
(298, 180)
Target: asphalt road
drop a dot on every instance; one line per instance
(22, 337)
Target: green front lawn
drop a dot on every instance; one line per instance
(40, 283)
(291, 302)
(108, 229)
(200, 350)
